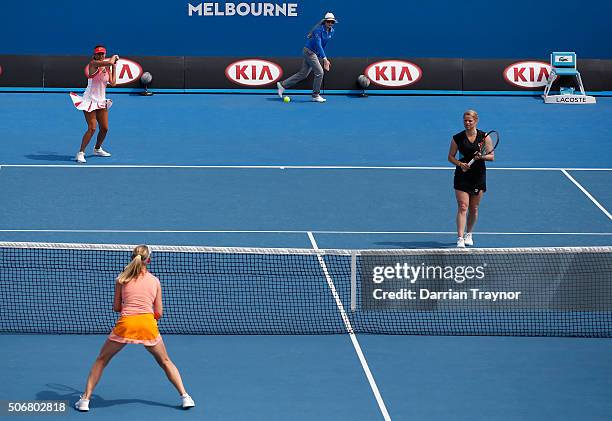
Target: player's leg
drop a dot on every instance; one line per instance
(102, 119)
(90, 119)
(107, 352)
(463, 200)
(160, 354)
(472, 217)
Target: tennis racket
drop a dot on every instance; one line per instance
(482, 146)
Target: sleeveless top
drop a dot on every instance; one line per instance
(468, 149)
(139, 294)
(96, 85)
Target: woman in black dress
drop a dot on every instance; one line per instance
(470, 182)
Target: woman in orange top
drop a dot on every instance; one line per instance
(138, 297)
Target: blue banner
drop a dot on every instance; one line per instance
(446, 28)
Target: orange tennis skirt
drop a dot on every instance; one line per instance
(136, 329)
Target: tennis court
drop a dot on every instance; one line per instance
(247, 171)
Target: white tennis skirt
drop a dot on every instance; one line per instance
(88, 105)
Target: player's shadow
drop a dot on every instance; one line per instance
(62, 392)
(50, 156)
(415, 244)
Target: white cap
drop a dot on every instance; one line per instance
(330, 16)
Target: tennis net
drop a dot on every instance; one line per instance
(68, 288)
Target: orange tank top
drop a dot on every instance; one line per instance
(139, 294)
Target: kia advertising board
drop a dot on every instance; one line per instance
(415, 74)
(388, 75)
(253, 72)
(527, 74)
(393, 73)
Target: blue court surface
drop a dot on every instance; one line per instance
(355, 173)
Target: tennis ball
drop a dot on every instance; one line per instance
(287, 99)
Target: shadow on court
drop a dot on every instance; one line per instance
(63, 392)
(50, 156)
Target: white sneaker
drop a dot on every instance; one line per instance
(318, 98)
(82, 405)
(281, 89)
(80, 157)
(101, 152)
(468, 239)
(460, 243)
(187, 402)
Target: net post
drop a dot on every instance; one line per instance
(353, 280)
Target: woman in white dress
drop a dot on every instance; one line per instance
(101, 71)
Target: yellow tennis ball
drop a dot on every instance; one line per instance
(287, 99)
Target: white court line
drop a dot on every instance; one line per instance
(599, 205)
(299, 167)
(109, 231)
(349, 328)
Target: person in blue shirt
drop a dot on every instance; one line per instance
(313, 52)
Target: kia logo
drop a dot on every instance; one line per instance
(127, 71)
(253, 72)
(527, 74)
(393, 73)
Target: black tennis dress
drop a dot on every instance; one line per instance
(474, 180)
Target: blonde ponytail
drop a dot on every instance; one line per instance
(140, 258)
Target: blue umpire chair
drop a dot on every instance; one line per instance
(563, 64)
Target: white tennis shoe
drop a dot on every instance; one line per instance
(281, 89)
(101, 152)
(460, 243)
(468, 239)
(82, 405)
(318, 98)
(80, 157)
(187, 402)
